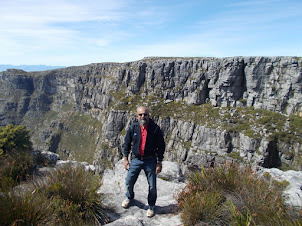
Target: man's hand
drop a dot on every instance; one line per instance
(126, 163)
(158, 167)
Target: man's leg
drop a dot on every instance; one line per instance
(150, 171)
(133, 172)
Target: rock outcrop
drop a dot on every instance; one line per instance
(293, 192)
(113, 191)
(83, 112)
(169, 184)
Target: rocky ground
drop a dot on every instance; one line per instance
(168, 183)
(293, 192)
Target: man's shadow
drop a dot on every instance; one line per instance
(169, 209)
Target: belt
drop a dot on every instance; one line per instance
(144, 157)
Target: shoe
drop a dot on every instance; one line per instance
(150, 211)
(126, 203)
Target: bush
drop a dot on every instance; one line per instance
(68, 196)
(74, 193)
(15, 167)
(16, 160)
(230, 195)
(204, 206)
(14, 138)
(24, 208)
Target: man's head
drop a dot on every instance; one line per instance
(142, 114)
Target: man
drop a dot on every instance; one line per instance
(145, 141)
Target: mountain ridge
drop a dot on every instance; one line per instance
(29, 68)
(209, 109)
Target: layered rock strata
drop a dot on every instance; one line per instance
(83, 112)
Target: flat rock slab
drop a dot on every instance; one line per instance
(168, 185)
(293, 193)
(113, 190)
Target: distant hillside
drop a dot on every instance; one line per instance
(4, 67)
(210, 109)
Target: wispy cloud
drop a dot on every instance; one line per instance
(244, 14)
(102, 42)
(73, 32)
(34, 25)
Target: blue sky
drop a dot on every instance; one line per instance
(79, 32)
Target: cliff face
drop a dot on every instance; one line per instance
(202, 104)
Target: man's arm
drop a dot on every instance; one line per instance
(160, 143)
(127, 148)
(160, 151)
(158, 167)
(126, 163)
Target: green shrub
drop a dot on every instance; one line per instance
(205, 206)
(243, 101)
(24, 208)
(16, 161)
(14, 138)
(235, 155)
(67, 196)
(280, 184)
(65, 212)
(78, 190)
(15, 167)
(232, 195)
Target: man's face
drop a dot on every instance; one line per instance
(142, 116)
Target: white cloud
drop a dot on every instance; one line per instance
(75, 32)
(36, 27)
(42, 11)
(102, 42)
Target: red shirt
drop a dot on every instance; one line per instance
(142, 142)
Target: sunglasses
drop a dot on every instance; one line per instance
(143, 114)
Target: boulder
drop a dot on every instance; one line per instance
(50, 156)
(293, 192)
(87, 167)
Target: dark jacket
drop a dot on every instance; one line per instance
(155, 144)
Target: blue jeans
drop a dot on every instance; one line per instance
(149, 166)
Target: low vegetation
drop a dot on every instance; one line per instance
(16, 160)
(65, 196)
(254, 123)
(230, 195)
(78, 136)
(251, 122)
(68, 196)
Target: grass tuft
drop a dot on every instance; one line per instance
(74, 188)
(229, 194)
(24, 208)
(15, 167)
(67, 196)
